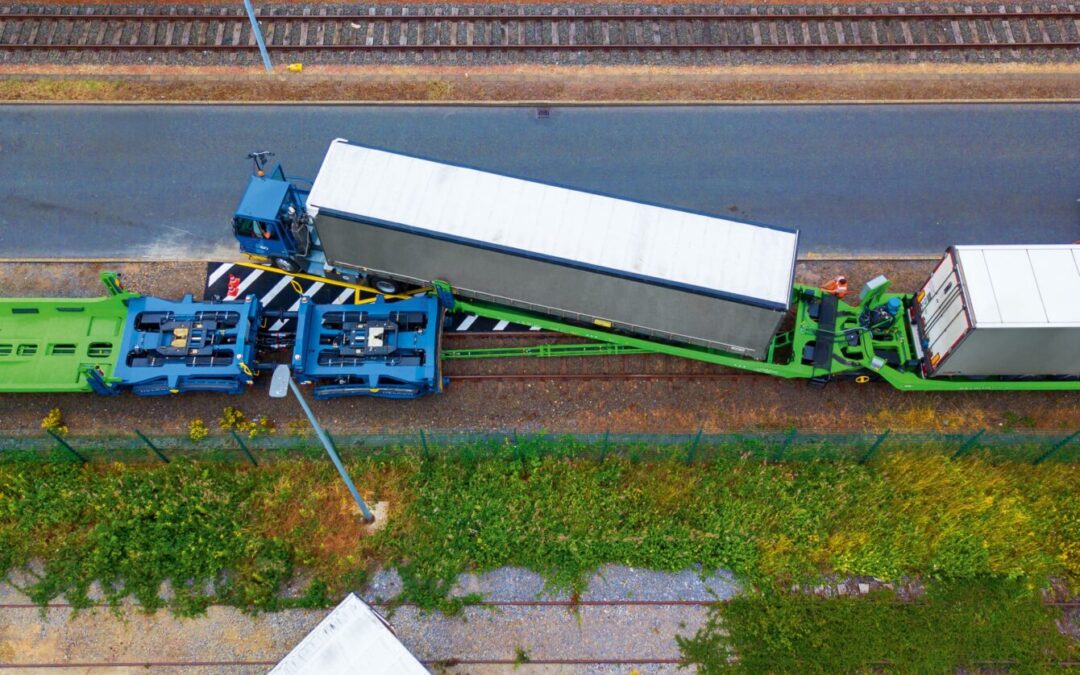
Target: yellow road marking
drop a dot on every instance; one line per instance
(334, 282)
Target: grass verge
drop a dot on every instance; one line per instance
(230, 533)
(493, 84)
(989, 625)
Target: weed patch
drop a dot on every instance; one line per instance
(978, 625)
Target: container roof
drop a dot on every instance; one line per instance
(351, 639)
(1022, 286)
(697, 251)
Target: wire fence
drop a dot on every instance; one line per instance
(792, 445)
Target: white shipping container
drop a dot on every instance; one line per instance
(654, 270)
(1002, 310)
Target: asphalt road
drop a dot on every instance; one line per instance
(128, 181)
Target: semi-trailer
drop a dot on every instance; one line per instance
(654, 278)
(645, 269)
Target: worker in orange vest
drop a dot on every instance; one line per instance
(837, 286)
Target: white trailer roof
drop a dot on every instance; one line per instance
(703, 253)
(351, 639)
(1022, 286)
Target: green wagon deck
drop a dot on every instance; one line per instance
(45, 344)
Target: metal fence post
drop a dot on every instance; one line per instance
(1055, 447)
(691, 451)
(784, 446)
(603, 446)
(968, 444)
(873, 448)
(153, 447)
(423, 445)
(243, 447)
(66, 445)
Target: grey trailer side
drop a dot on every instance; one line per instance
(649, 307)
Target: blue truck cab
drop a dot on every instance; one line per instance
(272, 225)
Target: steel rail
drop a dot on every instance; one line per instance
(466, 18)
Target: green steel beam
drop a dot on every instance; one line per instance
(544, 351)
(848, 360)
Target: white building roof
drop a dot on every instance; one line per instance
(701, 252)
(1022, 286)
(351, 639)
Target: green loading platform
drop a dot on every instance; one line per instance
(46, 344)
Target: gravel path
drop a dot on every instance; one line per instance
(57, 635)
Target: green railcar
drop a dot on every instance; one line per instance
(49, 344)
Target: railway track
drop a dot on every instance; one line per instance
(590, 33)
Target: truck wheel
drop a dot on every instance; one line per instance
(385, 286)
(286, 265)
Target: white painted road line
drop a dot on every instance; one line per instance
(218, 273)
(534, 328)
(345, 295)
(247, 282)
(280, 323)
(469, 320)
(278, 287)
(501, 325)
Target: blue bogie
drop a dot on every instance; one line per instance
(172, 347)
(381, 348)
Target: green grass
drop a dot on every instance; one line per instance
(967, 624)
(233, 533)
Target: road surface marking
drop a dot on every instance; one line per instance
(296, 305)
(218, 273)
(345, 294)
(247, 282)
(279, 287)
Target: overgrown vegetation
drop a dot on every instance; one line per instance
(980, 625)
(235, 533)
(234, 419)
(54, 422)
(197, 431)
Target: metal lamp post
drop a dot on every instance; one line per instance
(280, 385)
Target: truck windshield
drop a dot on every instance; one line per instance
(246, 227)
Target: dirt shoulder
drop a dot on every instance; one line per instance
(555, 84)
